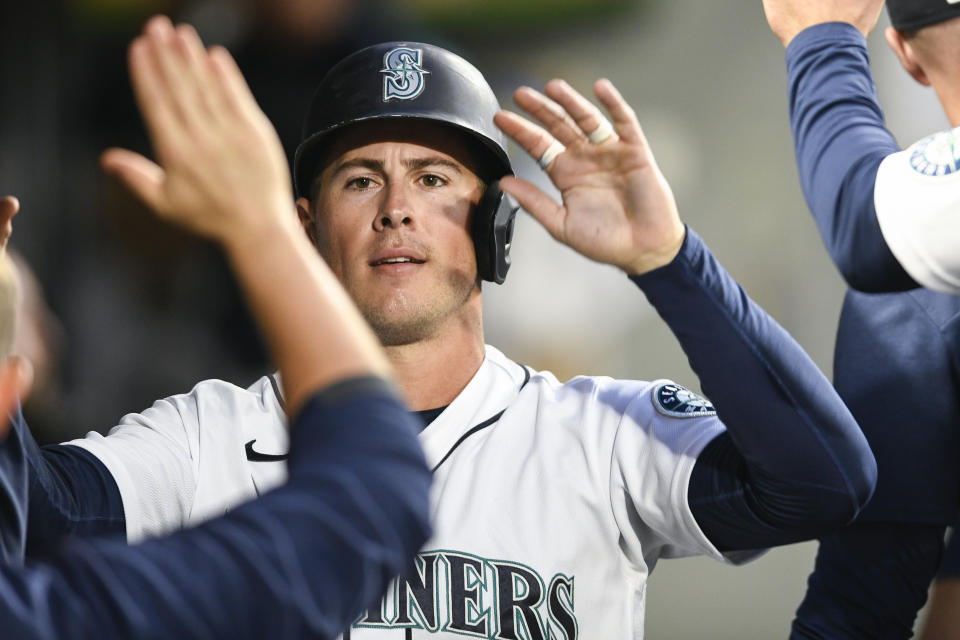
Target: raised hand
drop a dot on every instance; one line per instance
(787, 18)
(617, 207)
(220, 167)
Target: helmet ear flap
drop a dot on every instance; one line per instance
(493, 233)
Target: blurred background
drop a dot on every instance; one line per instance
(120, 310)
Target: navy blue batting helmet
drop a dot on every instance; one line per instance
(411, 80)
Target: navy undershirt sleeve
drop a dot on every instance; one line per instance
(301, 561)
(840, 140)
(50, 493)
(794, 462)
(14, 486)
(951, 555)
(72, 493)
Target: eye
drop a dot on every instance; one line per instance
(432, 180)
(360, 183)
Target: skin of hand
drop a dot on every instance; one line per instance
(222, 173)
(787, 18)
(220, 168)
(617, 207)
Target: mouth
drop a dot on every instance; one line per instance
(397, 260)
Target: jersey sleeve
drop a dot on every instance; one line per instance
(804, 460)
(654, 453)
(302, 561)
(917, 199)
(153, 457)
(840, 141)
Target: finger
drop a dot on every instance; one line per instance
(537, 203)
(173, 75)
(585, 114)
(141, 176)
(532, 138)
(550, 114)
(152, 99)
(196, 70)
(9, 206)
(229, 81)
(625, 121)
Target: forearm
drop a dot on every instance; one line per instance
(805, 461)
(303, 560)
(314, 332)
(840, 140)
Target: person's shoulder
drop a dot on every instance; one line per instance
(916, 196)
(612, 393)
(265, 389)
(217, 399)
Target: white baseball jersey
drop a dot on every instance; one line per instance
(551, 502)
(917, 199)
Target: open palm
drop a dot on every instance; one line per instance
(616, 206)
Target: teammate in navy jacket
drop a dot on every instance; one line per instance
(888, 219)
(305, 559)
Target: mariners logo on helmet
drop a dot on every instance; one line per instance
(403, 77)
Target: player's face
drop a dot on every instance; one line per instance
(393, 212)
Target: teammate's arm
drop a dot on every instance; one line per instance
(839, 134)
(308, 557)
(800, 462)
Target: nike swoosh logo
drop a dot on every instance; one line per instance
(256, 456)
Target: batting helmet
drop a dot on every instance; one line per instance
(409, 80)
(906, 15)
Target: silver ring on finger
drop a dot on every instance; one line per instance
(551, 153)
(602, 133)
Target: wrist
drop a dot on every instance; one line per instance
(257, 234)
(662, 256)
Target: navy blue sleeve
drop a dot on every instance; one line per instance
(950, 568)
(14, 485)
(797, 463)
(840, 140)
(72, 493)
(301, 561)
(869, 581)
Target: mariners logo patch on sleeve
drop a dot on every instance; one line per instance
(679, 402)
(937, 155)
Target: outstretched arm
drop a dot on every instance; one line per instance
(306, 558)
(839, 134)
(799, 462)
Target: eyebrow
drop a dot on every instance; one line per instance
(412, 163)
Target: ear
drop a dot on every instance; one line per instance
(307, 219)
(906, 54)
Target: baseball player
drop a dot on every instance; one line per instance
(887, 218)
(551, 502)
(304, 560)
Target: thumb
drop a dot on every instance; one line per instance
(143, 177)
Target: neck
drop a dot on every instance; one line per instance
(433, 371)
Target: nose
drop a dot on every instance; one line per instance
(395, 208)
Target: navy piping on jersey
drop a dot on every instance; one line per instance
(276, 390)
(483, 425)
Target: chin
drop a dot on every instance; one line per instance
(397, 334)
